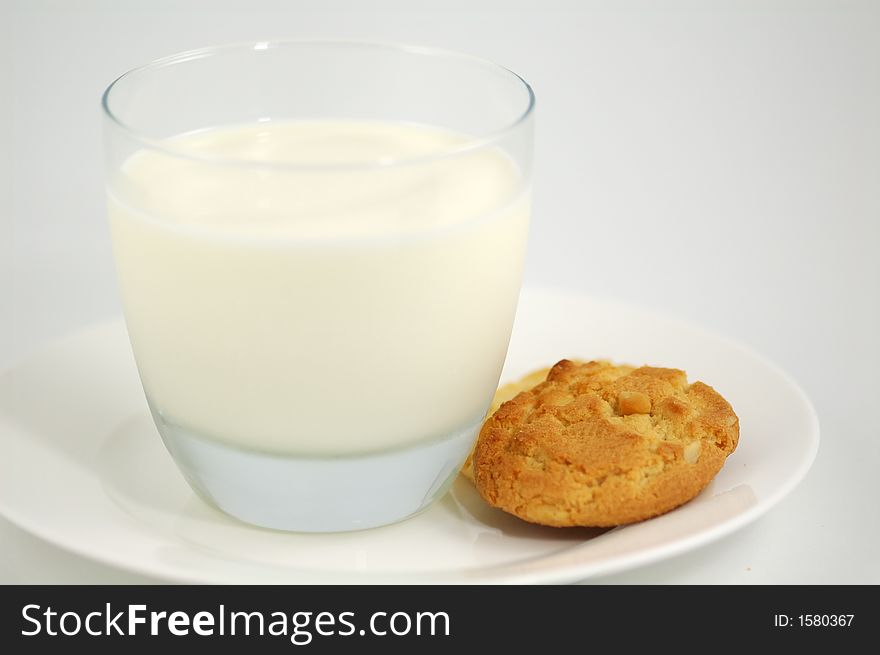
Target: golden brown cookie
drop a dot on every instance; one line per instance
(603, 445)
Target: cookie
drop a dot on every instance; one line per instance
(504, 393)
(603, 445)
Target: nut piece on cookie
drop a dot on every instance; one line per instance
(692, 452)
(633, 402)
(627, 444)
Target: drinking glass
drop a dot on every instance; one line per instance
(319, 247)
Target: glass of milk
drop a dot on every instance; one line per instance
(319, 247)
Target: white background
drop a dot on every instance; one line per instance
(719, 161)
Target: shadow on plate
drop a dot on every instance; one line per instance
(464, 495)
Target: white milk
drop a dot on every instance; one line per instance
(329, 311)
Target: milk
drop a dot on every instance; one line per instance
(319, 288)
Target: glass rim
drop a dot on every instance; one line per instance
(471, 143)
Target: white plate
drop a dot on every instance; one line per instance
(83, 468)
